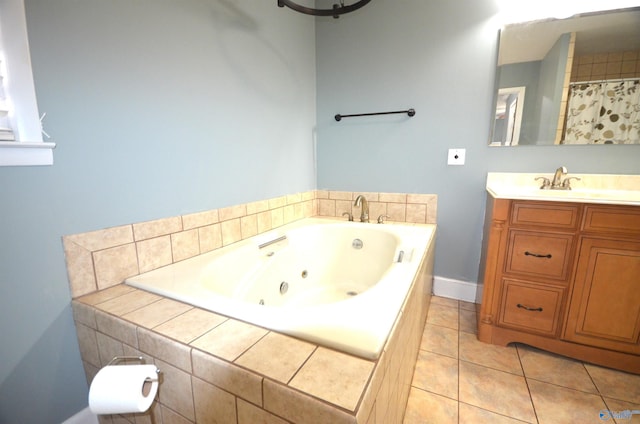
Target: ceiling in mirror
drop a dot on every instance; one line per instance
(546, 58)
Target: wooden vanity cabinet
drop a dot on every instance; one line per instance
(564, 277)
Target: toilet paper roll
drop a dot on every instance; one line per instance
(121, 389)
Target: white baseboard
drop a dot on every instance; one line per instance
(454, 289)
(83, 417)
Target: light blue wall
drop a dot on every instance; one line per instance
(525, 74)
(159, 108)
(437, 57)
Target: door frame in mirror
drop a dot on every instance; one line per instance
(513, 115)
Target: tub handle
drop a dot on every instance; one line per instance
(270, 242)
(400, 256)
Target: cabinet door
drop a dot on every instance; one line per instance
(605, 303)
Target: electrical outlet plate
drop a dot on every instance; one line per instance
(456, 157)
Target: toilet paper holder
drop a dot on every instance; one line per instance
(140, 359)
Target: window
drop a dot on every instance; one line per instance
(20, 129)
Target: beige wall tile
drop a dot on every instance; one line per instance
(172, 417)
(190, 325)
(343, 206)
(308, 195)
(300, 408)
(341, 195)
(264, 221)
(397, 211)
(154, 253)
(249, 226)
(277, 202)
(392, 197)
(231, 231)
(236, 380)
(156, 228)
(84, 314)
(199, 219)
(107, 294)
(103, 239)
(327, 207)
(333, 376)
(322, 194)
(117, 328)
(82, 279)
(294, 198)
(157, 312)
(108, 348)
(88, 345)
(250, 414)
(417, 213)
(175, 391)
(277, 217)
(213, 405)
(230, 339)
(185, 244)
(210, 237)
(288, 214)
(266, 356)
(257, 207)
(128, 302)
(165, 349)
(115, 264)
(232, 212)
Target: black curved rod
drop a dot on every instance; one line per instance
(335, 11)
(410, 112)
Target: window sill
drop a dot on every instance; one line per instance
(16, 153)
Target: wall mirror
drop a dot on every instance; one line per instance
(569, 81)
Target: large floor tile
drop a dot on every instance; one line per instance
(503, 358)
(496, 391)
(555, 404)
(444, 316)
(470, 414)
(551, 368)
(616, 384)
(426, 408)
(440, 340)
(437, 374)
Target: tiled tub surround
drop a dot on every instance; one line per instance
(215, 368)
(100, 259)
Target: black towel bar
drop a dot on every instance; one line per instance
(410, 112)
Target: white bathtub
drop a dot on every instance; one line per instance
(339, 284)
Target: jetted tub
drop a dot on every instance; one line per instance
(339, 284)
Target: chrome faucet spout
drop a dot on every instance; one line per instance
(557, 177)
(362, 201)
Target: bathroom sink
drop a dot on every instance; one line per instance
(591, 188)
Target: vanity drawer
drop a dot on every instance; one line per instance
(612, 219)
(539, 254)
(530, 307)
(548, 214)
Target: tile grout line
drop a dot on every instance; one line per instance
(526, 381)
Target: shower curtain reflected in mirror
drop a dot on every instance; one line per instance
(604, 112)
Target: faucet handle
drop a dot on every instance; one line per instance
(566, 184)
(349, 215)
(546, 183)
(381, 218)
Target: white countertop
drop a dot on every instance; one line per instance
(591, 188)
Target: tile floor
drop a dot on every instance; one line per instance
(461, 380)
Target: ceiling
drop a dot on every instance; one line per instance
(601, 32)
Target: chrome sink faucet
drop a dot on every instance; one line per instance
(557, 177)
(364, 215)
(558, 182)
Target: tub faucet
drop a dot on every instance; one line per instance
(557, 177)
(364, 215)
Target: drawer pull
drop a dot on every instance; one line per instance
(537, 255)
(521, 306)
